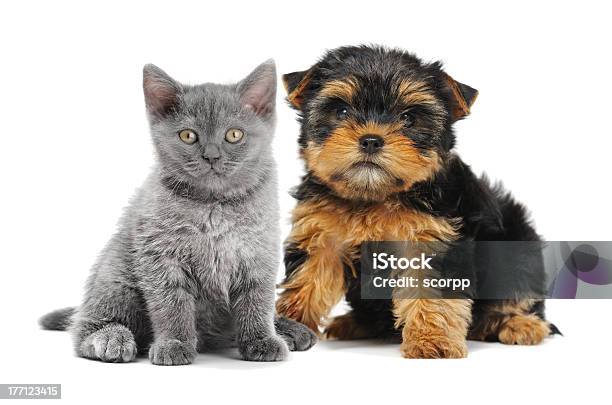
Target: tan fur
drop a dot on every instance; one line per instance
(342, 89)
(512, 322)
(295, 97)
(416, 92)
(524, 330)
(331, 233)
(312, 292)
(334, 162)
(433, 328)
(344, 327)
(462, 106)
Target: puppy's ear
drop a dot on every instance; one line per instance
(461, 97)
(295, 84)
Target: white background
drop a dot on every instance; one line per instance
(74, 145)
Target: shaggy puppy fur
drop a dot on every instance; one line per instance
(377, 140)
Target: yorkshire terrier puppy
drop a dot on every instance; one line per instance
(377, 140)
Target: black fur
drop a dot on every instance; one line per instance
(487, 212)
(378, 71)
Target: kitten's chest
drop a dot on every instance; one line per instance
(221, 234)
(216, 221)
(212, 261)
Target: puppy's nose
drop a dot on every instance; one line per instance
(211, 153)
(371, 143)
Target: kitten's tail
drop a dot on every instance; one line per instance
(60, 319)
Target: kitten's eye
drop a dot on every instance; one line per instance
(234, 135)
(408, 119)
(188, 136)
(342, 113)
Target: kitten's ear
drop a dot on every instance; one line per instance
(461, 96)
(160, 90)
(257, 91)
(295, 83)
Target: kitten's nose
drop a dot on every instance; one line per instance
(211, 153)
(371, 143)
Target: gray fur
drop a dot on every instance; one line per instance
(60, 319)
(193, 264)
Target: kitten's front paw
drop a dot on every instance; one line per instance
(114, 343)
(298, 337)
(171, 352)
(271, 348)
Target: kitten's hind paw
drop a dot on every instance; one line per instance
(171, 352)
(114, 343)
(298, 337)
(272, 348)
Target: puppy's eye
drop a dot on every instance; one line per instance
(234, 135)
(408, 119)
(342, 113)
(188, 136)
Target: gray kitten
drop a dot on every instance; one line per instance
(193, 264)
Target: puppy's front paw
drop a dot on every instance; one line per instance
(298, 337)
(290, 304)
(344, 327)
(271, 348)
(114, 343)
(425, 345)
(524, 330)
(171, 352)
